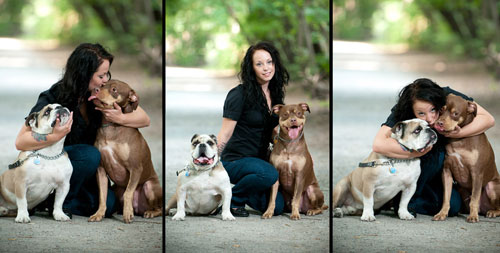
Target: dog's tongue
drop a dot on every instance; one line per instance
(203, 160)
(92, 98)
(293, 133)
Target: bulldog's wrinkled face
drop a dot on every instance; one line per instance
(457, 112)
(414, 134)
(115, 91)
(43, 122)
(204, 150)
(292, 118)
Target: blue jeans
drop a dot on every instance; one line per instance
(83, 195)
(428, 197)
(252, 179)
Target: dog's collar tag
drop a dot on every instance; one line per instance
(187, 173)
(392, 169)
(36, 161)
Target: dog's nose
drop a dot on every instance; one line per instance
(96, 90)
(440, 123)
(293, 120)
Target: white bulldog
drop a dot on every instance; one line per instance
(37, 173)
(379, 178)
(204, 184)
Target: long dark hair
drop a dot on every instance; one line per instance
(73, 88)
(80, 67)
(421, 89)
(249, 81)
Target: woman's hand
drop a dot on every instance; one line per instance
(61, 131)
(114, 115)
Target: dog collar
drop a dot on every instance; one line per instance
(405, 148)
(37, 160)
(189, 167)
(289, 141)
(390, 162)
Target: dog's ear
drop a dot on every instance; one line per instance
(472, 108)
(213, 138)
(31, 119)
(194, 137)
(399, 130)
(133, 100)
(305, 107)
(277, 108)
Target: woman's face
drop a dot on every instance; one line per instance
(100, 77)
(425, 111)
(263, 66)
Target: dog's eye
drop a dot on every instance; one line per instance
(196, 143)
(210, 143)
(417, 131)
(114, 89)
(299, 114)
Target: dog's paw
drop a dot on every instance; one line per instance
(314, 211)
(473, 218)
(366, 217)
(23, 218)
(337, 212)
(179, 216)
(295, 216)
(60, 216)
(227, 216)
(405, 215)
(96, 217)
(268, 215)
(439, 216)
(493, 213)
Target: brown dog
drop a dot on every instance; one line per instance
(125, 158)
(471, 161)
(291, 158)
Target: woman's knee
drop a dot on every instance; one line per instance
(84, 158)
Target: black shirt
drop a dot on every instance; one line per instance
(81, 132)
(254, 126)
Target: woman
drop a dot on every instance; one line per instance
(87, 68)
(423, 99)
(247, 125)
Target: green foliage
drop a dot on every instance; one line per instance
(352, 19)
(216, 34)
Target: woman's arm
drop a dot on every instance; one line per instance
(225, 133)
(385, 145)
(482, 122)
(136, 119)
(26, 141)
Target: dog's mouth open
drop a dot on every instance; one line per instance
(294, 131)
(203, 160)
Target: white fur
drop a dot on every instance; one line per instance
(197, 193)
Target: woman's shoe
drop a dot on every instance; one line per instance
(239, 212)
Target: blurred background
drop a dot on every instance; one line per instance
(380, 46)
(205, 43)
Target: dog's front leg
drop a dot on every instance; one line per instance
(128, 196)
(477, 179)
(447, 184)
(61, 192)
(405, 199)
(181, 201)
(22, 203)
(102, 181)
(368, 190)
(226, 203)
(272, 201)
(297, 196)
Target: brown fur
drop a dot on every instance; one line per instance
(126, 159)
(470, 161)
(293, 161)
